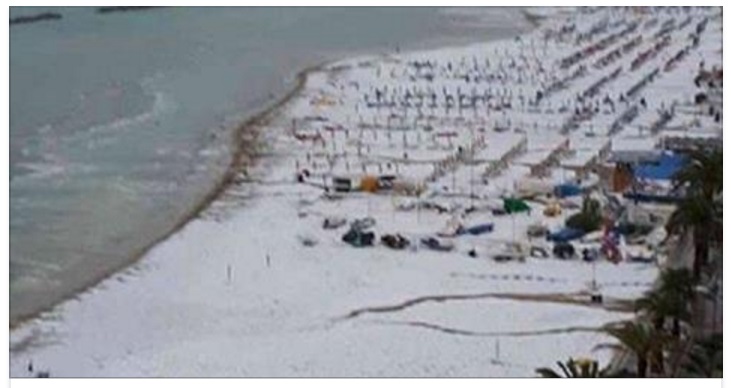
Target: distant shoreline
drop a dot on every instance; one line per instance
(105, 10)
(47, 16)
(35, 18)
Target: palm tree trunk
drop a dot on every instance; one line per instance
(641, 366)
(715, 310)
(657, 366)
(677, 356)
(656, 361)
(658, 323)
(701, 253)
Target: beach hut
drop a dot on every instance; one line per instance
(621, 177)
(369, 184)
(343, 184)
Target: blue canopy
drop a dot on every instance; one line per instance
(663, 169)
(565, 234)
(567, 190)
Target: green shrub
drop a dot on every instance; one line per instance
(590, 217)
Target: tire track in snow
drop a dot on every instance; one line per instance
(617, 305)
(524, 333)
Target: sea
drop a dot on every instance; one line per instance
(121, 123)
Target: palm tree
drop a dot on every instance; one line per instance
(678, 282)
(582, 368)
(639, 338)
(573, 368)
(700, 212)
(703, 175)
(702, 218)
(706, 358)
(670, 299)
(660, 306)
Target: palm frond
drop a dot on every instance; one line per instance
(547, 373)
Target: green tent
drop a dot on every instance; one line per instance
(515, 205)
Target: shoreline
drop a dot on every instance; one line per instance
(242, 156)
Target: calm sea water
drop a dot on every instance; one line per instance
(120, 123)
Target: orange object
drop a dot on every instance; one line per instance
(369, 184)
(621, 178)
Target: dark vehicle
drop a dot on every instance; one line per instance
(641, 259)
(536, 231)
(498, 212)
(478, 229)
(333, 222)
(395, 241)
(359, 238)
(564, 250)
(435, 244)
(589, 255)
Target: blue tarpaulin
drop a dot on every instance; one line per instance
(565, 234)
(663, 169)
(567, 190)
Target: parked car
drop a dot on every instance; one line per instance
(478, 229)
(512, 251)
(564, 250)
(437, 244)
(537, 230)
(333, 222)
(395, 241)
(359, 238)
